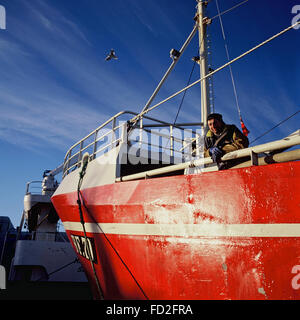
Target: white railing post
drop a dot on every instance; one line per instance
(124, 133)
(171, 141)
(113, 133)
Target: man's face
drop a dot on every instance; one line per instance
(215, 126)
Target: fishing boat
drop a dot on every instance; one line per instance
(150, 217)
(37, 259)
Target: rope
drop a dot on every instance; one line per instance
(115, 250)
(81, 175)
(79, 202)
(217, 70)
(277, 125)
(59, 269)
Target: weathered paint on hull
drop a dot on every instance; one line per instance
(231, 234)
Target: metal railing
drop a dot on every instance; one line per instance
(252, 152)
(118, 129)
(33, 188)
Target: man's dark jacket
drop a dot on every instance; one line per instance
(230, 139)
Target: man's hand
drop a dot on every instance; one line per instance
(215, 153)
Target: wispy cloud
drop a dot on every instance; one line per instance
(55, 88)
(58, 87)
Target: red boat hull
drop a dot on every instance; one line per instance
(231, 234)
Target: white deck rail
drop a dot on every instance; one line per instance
(117, 130)
(253, 152)
(94, 145)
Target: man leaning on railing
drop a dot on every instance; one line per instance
(222, 138)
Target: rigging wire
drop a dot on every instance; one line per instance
(185, 92)
(76, 260)
(217, 70)
(277, 125)
(245, 130)
(228, 59)
(228, 10)
(189, 80)
(210, 79)
(180, 105)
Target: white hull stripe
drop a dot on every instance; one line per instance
(190, 230)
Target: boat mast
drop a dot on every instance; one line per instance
(202, 24)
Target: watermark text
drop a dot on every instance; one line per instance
(2, 18)
(2, 278)
(296, 279)
(296, 18)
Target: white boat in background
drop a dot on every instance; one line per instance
(39, 261)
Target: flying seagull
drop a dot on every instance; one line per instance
(111, 55)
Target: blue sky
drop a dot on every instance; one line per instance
(56, 87)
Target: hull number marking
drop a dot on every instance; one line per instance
(85, 247)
